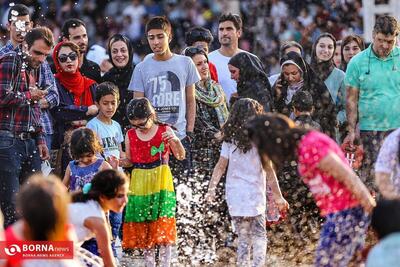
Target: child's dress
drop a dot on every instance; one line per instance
(82, 175)
(150, 212)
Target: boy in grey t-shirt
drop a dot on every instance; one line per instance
(167, 80)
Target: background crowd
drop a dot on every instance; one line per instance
(267, 23)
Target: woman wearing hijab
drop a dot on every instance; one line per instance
(120, 52)
(252, 81)
(77, 94)
(351, 46)
(297, 75)
(323, 65)
(211, 114)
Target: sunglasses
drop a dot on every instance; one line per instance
(191, 51)
(63, 58)
(141, 125)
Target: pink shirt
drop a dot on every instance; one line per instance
(330, 195)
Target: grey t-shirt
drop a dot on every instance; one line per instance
(163, 83)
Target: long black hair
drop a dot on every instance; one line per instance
(277, 137)
(243, 110)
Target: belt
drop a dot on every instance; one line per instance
(21, 136)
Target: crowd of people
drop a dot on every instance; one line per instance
(181, 155)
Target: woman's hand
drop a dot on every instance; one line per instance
(114, 162)
(92, 110)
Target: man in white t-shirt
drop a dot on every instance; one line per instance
(168, 81)
(229, 32)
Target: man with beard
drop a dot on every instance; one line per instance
(19, 23)
(229, 32)
(74, 30)
(22, 143)
(373, 96)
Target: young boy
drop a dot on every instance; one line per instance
(302, 104)
(108, 131)
(110, 135)
(202, 37)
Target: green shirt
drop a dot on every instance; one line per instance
(378, 82)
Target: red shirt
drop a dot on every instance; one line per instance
(213, 71)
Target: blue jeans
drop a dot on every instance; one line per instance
(18, 160)
(342, 234)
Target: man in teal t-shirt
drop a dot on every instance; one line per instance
(373, 93)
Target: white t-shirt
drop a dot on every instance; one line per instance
(79, 212)
(388, 159)
(164, 84)
(245, 182)
(224, 76)
(110, 136)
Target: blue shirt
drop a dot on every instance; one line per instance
(377, 80)
(46, 80)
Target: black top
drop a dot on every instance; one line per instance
(253, 81)
(324, 108)
(91, 70)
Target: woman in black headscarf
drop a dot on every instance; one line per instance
(120, 52)
(252, 81)
(297, 75)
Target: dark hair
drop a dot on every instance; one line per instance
(106, 88)
(159, 23)
(43, 203)
(276, 136)
(191, 51)
(104, 183)
(348, 39)
(243, 110)
(140, 108)
(234, 18)
(386, 25)
(198, 34)
(385, 218)
(19, 9)
(71, 23)
(84, 140)
(302, 101)
(39, 33)
(120, 37)
(314, 57)
(289, 44)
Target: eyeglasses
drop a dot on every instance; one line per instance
(63, 58)
(141, 125)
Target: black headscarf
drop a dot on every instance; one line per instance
(253, 81)
(121, 77)
(324, 107)
(323, 69)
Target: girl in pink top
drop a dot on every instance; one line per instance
(342, 198)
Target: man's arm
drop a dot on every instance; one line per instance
(190, 108)
(52, 98)
(351, 112)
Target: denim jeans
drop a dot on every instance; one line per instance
(181, 168)
(18, 160)
(252, 236)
